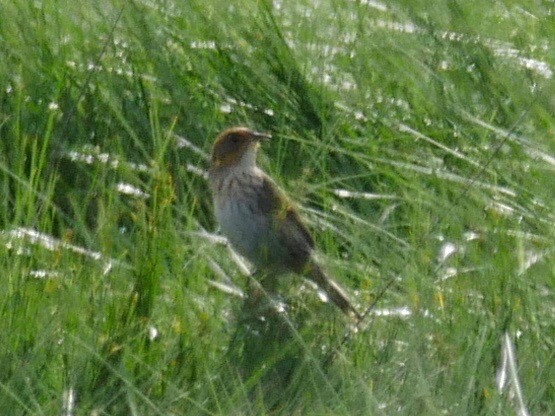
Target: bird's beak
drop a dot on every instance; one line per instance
(258, 136)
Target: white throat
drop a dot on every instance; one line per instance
(248, 160)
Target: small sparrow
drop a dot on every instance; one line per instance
(258, 220)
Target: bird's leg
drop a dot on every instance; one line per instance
(251, 278)
(262, 294)
(256, 293)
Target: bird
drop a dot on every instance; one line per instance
(259, 220)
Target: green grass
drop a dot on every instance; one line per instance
(444, 112)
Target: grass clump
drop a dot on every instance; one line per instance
(418, 140)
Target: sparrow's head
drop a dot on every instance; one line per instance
(237, 146)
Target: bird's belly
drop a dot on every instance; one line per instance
(248, 232)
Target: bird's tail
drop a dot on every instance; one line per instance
(333, 290)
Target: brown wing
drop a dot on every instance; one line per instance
(293, 235)
(293, 220)
(270, 199)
